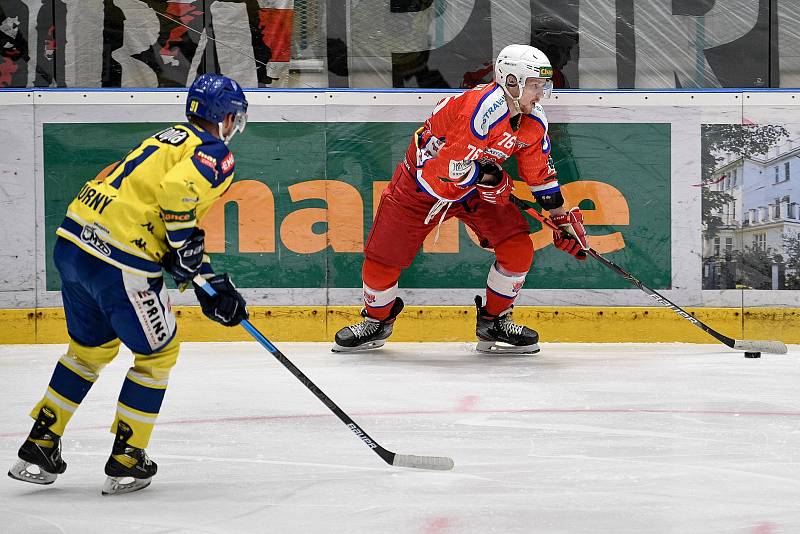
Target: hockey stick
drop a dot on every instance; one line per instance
(773, 347)
(398, 460)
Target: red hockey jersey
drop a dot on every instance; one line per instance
(475, 125)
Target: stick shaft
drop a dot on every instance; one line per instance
(776, 347)
(423, 462)
(387, 456)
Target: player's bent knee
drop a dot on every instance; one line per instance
(161, 360)
(93, 357)
(515, 254)
(379, 276)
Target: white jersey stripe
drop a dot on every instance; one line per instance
(547, 186)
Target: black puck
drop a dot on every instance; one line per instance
(752, 354)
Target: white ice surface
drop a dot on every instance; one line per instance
(579, 438)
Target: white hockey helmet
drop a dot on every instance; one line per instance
(516, 63)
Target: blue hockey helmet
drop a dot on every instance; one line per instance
(213, 97)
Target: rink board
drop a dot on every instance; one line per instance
(289, 236)
(451, 323)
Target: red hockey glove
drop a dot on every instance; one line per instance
(571, 238)
(494, 184)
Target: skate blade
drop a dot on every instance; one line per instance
(28, 472)
(493, 347)
(120, 485)
(366, 346)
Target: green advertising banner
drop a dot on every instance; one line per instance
(303, 199)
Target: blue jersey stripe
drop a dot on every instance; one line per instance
(75, 230)
(540, 194)
(179, 236)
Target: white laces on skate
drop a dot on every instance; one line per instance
(508, 325)
(143, 458)
(365, 328)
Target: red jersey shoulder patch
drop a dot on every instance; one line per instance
(205, 159)
(227, 163)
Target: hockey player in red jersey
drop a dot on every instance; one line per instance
(452, 168)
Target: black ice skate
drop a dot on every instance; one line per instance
(128, 469)
(369, 333)
(40, 456)
(498, 334)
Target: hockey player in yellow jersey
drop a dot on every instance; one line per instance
(120, 233)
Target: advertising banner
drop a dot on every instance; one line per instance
(650, 170)
(301, 206)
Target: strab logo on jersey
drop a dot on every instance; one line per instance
(497, 104)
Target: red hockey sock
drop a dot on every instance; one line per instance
(380, 288)
(514, 258)
(496, 303)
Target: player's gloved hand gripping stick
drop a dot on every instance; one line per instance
(391, 458)
(184, 262)
(570, 235)
(226, 306)
(774, 347)
(494, 184)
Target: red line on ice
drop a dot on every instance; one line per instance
(468, 410)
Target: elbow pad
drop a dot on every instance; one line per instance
(549, 200)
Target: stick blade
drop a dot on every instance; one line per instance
(438, 463)
(771, 347)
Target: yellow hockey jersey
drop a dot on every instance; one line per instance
(152, 200)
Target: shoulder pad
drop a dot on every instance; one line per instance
(491, 109)
(199, 133)
(539, 116)
(214, 161)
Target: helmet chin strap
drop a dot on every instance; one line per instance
(513, 99)
(238, 125)
(225, 139)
